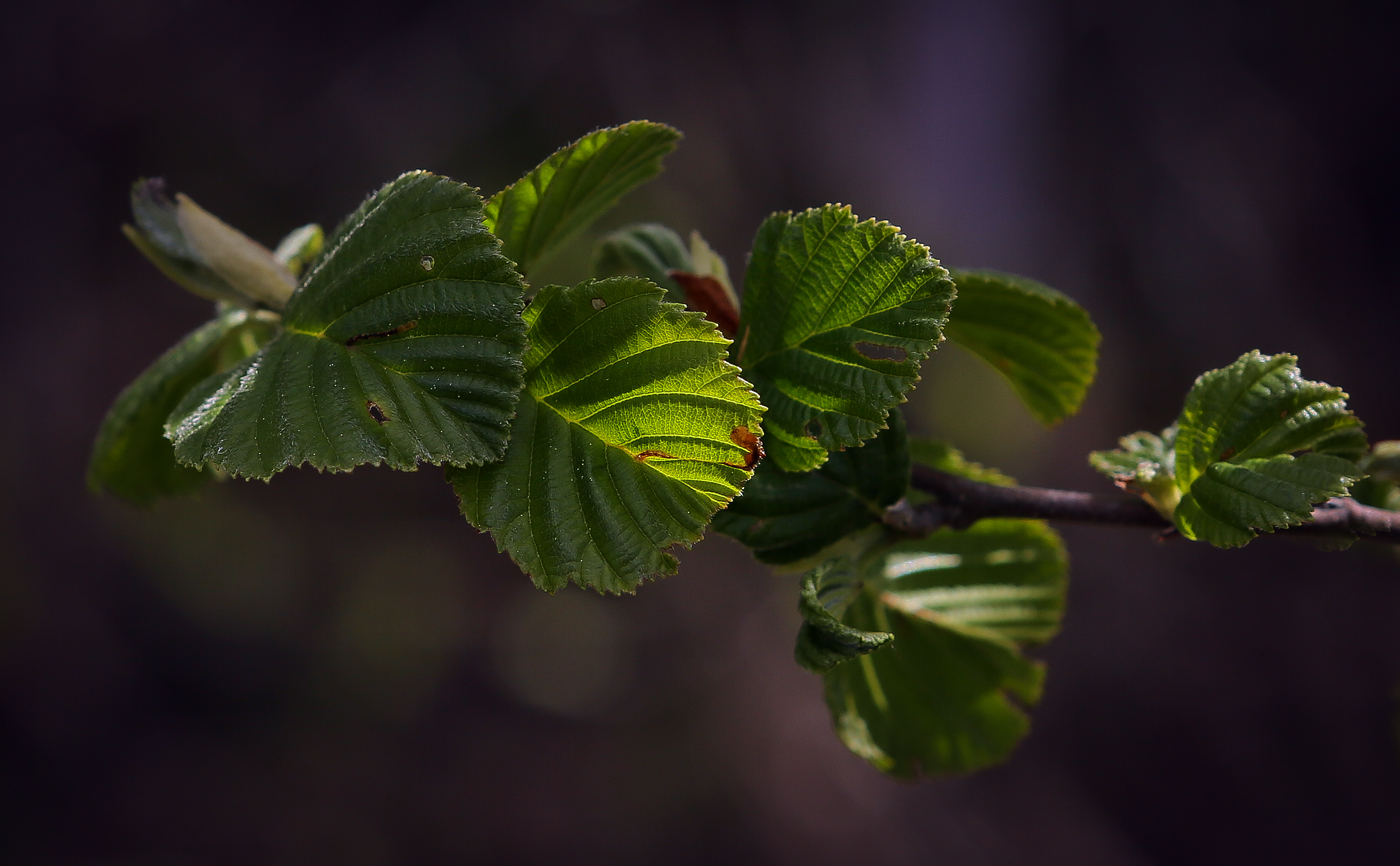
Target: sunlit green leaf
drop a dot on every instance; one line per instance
(564, 194)
(785, 517)
(823, 641)
(632, 432)
(837, 315)
(402, 347)
(1041, 341)
(1235, 445)
(943, 695)
(132, 458)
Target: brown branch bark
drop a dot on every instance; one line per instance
(959, 503)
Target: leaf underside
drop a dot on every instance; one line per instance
(402, 346)
(626, 441)
(568, 191)
(1041, 341)
(943, 695)
(784, 517)
(1235, 445)
(837, 315)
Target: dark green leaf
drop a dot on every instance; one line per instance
(1382, 487)
(1235, 440)
(837, 316)
(402, 347)
(786, 517)
(960, 605)
(632, 432)
(564, 194)
(646, 250)
(823, 642)
(132, 458)
(1041, 341)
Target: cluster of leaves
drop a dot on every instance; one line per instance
(592, 428)
(1255, 447)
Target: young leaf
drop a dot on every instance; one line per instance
(402, 346)
(945, 458)
(632, 432)
(648, 250)
(785, 517)
(960, 605)
(1041, 341)
(1234, 450)
(131, 457)
(1145, 463)
(837, 316)
(561, 196)
(823, 642)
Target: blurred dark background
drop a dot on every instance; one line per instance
(337, 669)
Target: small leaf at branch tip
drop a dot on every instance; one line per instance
(1255, 448)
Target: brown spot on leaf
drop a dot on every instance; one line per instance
(358, 338)
(641, 458)
(750, 442)
(375, 412)
(706, 295)
(1226, 454)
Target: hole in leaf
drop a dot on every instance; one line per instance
(599, 303)
(375, 412)
(813, 429)
(877, 352)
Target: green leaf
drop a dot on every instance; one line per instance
(403, 346)
(632, 432)
(1235, 440)
(1146, 464)
(564, 194)
(823, 642)
(1041, 341)
(786, 517)
(648, 250)
(945, 458)
(837, 316)
(132, 458)
(942, 697)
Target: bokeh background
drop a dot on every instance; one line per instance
(337, 669)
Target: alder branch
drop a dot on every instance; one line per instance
(959, 503)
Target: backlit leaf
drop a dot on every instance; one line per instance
(648, 250)
(837, 315)
(1041, 341)
(564, 194)
(631, 433)
(943, 695)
